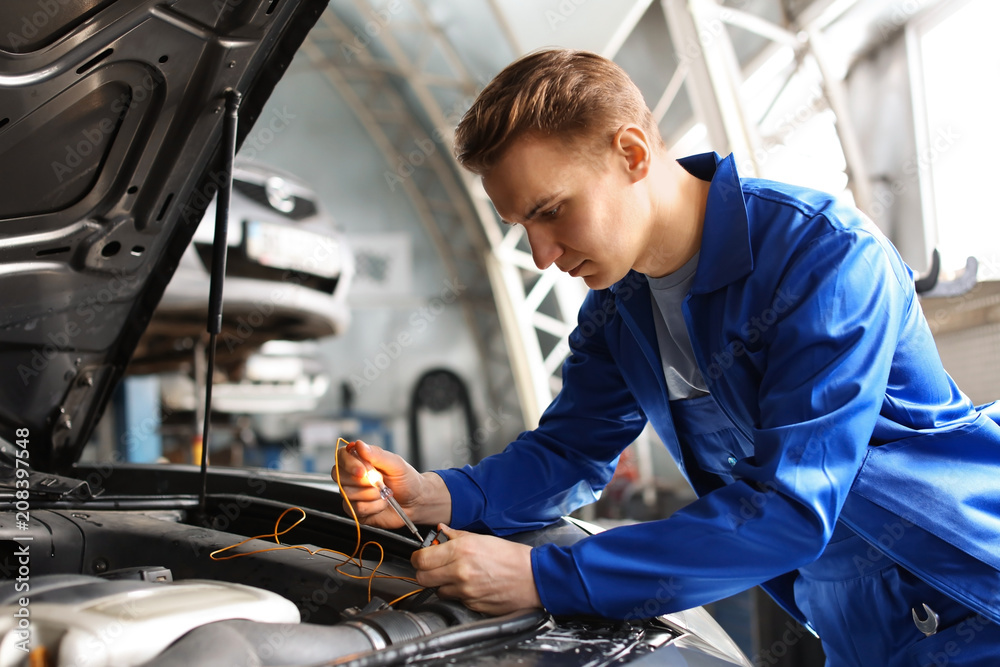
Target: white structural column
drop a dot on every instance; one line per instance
(836, 96)
(383, 81)
(508, 268)
(714, 78)
(421, 168)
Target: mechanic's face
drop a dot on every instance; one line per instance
(586, 212)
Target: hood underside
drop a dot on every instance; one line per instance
(110, 128)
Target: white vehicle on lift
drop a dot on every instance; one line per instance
(288, 273)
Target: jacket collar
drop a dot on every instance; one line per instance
(726, 255)
(634, 305)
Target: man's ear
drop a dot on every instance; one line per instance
(632, 144)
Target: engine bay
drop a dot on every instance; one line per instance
(126, 577)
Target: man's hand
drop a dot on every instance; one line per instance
(487, 573)
(424, 497)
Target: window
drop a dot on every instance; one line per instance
(954, 61)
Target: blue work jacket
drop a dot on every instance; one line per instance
(807, 330)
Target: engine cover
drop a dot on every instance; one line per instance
(124, 623)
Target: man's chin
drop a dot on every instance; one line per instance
(598, 281)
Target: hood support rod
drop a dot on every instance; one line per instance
(219, 248)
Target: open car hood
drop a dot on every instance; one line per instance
(110, 132)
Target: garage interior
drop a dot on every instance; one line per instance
(398, 309)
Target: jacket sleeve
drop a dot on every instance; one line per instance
(565, 462)
(827, 369)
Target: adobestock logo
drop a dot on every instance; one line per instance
(667, 590)
(462, 450)
(32, 24)
(378, 20)
(419, 321)
(86, 312)
(751, 332)
(92, 139)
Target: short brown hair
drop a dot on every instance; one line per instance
(552, 92)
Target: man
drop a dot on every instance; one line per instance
(772, 336)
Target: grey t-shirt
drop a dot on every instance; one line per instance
(684, 379)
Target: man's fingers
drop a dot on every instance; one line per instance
(358, 493)
(432, 578)
(350, 467)
(435, 576)
(366, 511)
(347, 471)
(449, 591)
(374, 513)
(376, 456)
(389, 464)
(358, 486)
(442, 563)
(486, 573)
(365, 508)
(433, 557)
(366, 451)
(450, 532)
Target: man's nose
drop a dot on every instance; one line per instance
(544, 249)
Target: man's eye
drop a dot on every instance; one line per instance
(552, 212)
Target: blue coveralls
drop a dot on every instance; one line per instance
(836, 463)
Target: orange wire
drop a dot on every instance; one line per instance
(403, 597)
(355, 558)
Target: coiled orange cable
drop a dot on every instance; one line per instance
(354, 559)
